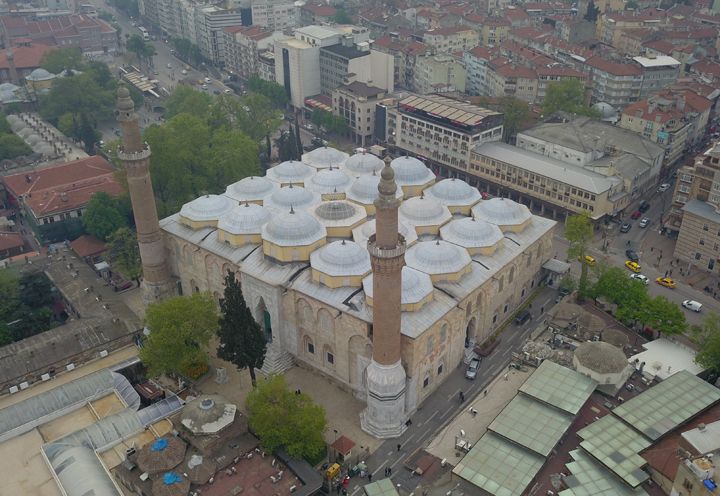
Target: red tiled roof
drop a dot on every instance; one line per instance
(515, 14)
(10, 240)
(482, 53)
(87, 246)
(320, 10)
(707, 67)
(656, 115)
(343, 445)
(559, 71)
(513, 70)
(661, 46)
(252, 32)
(26, 57)
(448, 31)
(613, 68)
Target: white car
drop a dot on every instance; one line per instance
(639, 277)
(693, 305)
(644, 222)
(227, 91)
(663, 188)
(208, 80)
(204, 86)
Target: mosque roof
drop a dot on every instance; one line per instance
(328, 181)
(363, 163)
(206, 208)
(364, 190)
(324, 158)
(362, 233)
(40, 74)
(293, 228)
(339, 213)
(502, 212)
(453, 192)
(247, 218)
(291, 196)
(437, 257)
(341, 258)
(253, 188)
(410, 171)
(601, 357)
(416, 286)
(291, 171)
(469, 232)
(423, 211)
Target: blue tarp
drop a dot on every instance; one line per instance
(159, 445)
(171, 478)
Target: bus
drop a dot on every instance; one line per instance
(144, 33)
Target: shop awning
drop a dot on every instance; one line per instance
(557, 266)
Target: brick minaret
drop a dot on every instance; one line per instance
(135, 156)
(385, 415)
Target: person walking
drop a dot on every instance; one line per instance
(369, 476)
(462, 396)
(398, 447)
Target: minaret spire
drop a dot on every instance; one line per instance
(385, 415)
(135, 157)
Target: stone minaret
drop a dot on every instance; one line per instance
(385, 415)
(135, 156)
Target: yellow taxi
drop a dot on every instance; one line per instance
(588, 260)
(634, 266)
(665, 281)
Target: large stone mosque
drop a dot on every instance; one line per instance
(375, 274)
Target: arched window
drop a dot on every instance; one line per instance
(325, 321)
(478, 302)
(529, 259)
(443, 333)
(328, 356)
(511, 275)
(308, 345)
(305, 314)
(468, 310)
(501, 283)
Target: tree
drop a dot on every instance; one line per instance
(567, 95)
(707, 337)
(12, 146)
(285, 419)
(342, 17)
(592, 12)
(516, 114)
(579, 232)
(187, 100)
(286, 145)
(79, 94)
(242, 342)
(275, 92)
(56, 61)
(628, 294)
(124, 253)
(103, 216)
(298, 139)
(664, 316)
(330, 122)
(180, 330)
(141, 48)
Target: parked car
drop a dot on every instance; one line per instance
(665, 281)
(522, 317)
(636, 215)
(625, 227)
(208, 80)
(644, 206)
(632, 256)
(472, 370)
(634, 266)
(663, 187)
(640, 277)
(693, 305)
(644, 222)
(590, 260)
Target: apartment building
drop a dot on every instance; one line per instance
(615, 83)
(476, 69)
(548, 75)
(440, 73)
(346, 62)
(356, 104)
(316, 13)
(658, 73)
(492, 30)
(266, 66)
(440, 130)
(405, 54)
(505, 78)
(611, 26)
(452, 39)
(212, 21)
(243, 45)
(275, 15)
(88, 34)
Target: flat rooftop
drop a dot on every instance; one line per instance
(447, 108)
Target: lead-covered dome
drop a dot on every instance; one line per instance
(504, 213)
(330, 182)
(205, 211)
(417, 289)
(364, 191)
(339, 217)
(291, 197)
(293, 228)
(40, 74)
(340, 263)
(324, 158)
(251, 189)
(362, 234)
(363, 164)
(443, 261)
(243, 224)
(290, 172)
(455, 194)
(425, 214)
(476, 236)
(410, 171)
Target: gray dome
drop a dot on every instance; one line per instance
(601, 357)
(328, 181)
(364, 190)
(253, 188)
(335, 210)
(34, 139)
(409, 171)
(416, 286)
(208, 414)
(502, 212)
(324, 158)
(291, 196)
(453, 192)
(422, 211)
(244, 219)
(363, 163)
(26, 132)
(341, 258)
(40, 74)
(606, 110)
(291, 171)
(437, 257)
(293, 228)
(471, 233)
(206, 208)
(362, 233)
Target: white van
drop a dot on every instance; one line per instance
(692, 305)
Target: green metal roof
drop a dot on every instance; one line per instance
(498, 466)
(591, 479)
(559, 386)
(617, 446)
(667, 405)
(531, 424)
(383, 487)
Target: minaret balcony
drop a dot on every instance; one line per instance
(134, 156)
(378, 252)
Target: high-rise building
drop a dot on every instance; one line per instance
(134, 154)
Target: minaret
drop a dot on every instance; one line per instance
(135, 156)
(385, 415)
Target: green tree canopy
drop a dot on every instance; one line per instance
(103, 216)
(12, 146)
(275, 92)
(187, 51)
(189, 101)
(516, 115)
(124, 252)
(664, 316)
(282, 418)
(242, 342)
(707, 337)
(567, 95)
(143, 50)
(287, 146)
(180, 330)
(579, 232)
(25, 308)
(330, 122)
(56, 61)
(342, 17)
(628, 294)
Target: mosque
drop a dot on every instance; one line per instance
(307, 240)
